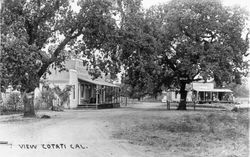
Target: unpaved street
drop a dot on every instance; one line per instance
(138, 130)
(66, 134)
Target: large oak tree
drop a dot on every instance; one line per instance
(178, 42)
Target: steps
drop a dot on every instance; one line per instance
(87, 106)
(99, 106)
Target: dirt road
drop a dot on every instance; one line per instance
(95, 133)
(73, 133)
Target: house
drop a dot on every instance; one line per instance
(202, 92)
(85, 92)
(206, 92)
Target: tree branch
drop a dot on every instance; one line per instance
(29, 29)
(170, 63)
(63, 44)
(247, 35)
(56, 53)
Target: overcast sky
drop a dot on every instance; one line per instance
(243, 3)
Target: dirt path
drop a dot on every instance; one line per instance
(73, 133)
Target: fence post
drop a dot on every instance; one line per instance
(168, 105)
(195, 102)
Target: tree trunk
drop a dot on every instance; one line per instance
(183, 92)
(28, 100)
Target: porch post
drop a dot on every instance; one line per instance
(115, 95)
(101, 95)
(204, 96)
(104, 94)
(79, 93)
(119, 96)
(197, 96)
(211, 96)
(110, 95)
(96, 92)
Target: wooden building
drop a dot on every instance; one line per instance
(85, 92)
(202, 92)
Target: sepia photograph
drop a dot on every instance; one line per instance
(124, 78)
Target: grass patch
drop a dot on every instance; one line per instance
(190, 133)
(10, 112)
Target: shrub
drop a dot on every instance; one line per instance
(13, 104)
(63, 94)
(45, 100)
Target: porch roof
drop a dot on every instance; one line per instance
(97, 81)
(212, 90)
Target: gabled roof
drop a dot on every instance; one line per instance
(97, 81)
(83, 74)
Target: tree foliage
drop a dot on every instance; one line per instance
(240, 90)
(138, 51)
(183, 40)
(63, 94)
(28, 27)
(205, 38)
(35, 34)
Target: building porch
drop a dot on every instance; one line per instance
(91, 95)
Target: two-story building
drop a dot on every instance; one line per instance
(85, 91)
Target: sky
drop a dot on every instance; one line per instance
(242, 3)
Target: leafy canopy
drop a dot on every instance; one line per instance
(177, 42)
(31, 27)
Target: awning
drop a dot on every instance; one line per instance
(97, 81)
(212, 90)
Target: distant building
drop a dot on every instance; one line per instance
(85, 91)
(206, 92)
(202, 92)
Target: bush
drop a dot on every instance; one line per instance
(13, 104)
(48, 95)
(45, 100)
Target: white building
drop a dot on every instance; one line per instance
(85, 91)
(202, 92)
